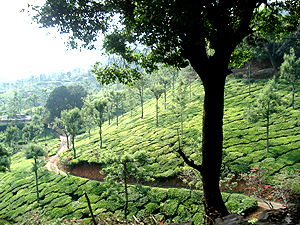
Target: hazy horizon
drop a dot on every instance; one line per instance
(29, 50)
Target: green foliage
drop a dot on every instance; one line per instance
(151, 207)
(290, 70)
(72, 121)
(31, 132)
(64, 97)
(240, 204)
(4, 160)
(100, 106)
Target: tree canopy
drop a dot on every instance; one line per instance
(64, 97)
(290, 70)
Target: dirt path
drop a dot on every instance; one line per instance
(262, 206)
(53, 161)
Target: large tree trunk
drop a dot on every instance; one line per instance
(212, 141)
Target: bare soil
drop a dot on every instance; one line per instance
(52, 163)
(93, 172)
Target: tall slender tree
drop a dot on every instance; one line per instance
(141, 85)
(72, 121)
(157, 91)
(34, 151)
(180, 100)
(264, 106)
(164, 80)
(122, 167)
(100, 108)
(290, 70)
(87, 113)
(116, 98)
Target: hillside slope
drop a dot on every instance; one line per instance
(244, 143)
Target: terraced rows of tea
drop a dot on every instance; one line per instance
(62, 198)
(245, 143)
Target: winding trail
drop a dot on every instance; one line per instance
(52, 164)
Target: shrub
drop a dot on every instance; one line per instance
(169, 207)
(198, 218)
(197, 196)
(180, 194)
(238, 203)
(157, 195)
(151, 207)
(286, 185)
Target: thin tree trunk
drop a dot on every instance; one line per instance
(142, 103)
(9, 162)
(157, 112)
(36, 184)
(100, 134)
(271, 58)
(181, 122)
(165, 95)
(249, 75)
(268, 129)
(73, 146)
(125, 190)
(67, 136)
(293, 96)
(190, 81)
(117, 112)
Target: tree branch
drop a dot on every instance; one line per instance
(186, 160)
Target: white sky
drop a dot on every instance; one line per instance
(26, 49)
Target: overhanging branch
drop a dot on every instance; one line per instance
(186, 160)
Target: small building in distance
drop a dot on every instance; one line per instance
(20, 117)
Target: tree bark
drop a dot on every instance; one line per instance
(117, 112)
(73, 146)
(100, 134)
(249, 75)
(293, 96)
(141, 96)
(157, 112)
(212, 143)
(125, 190)
(268, 119)
(67, 136)
(271, 58)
